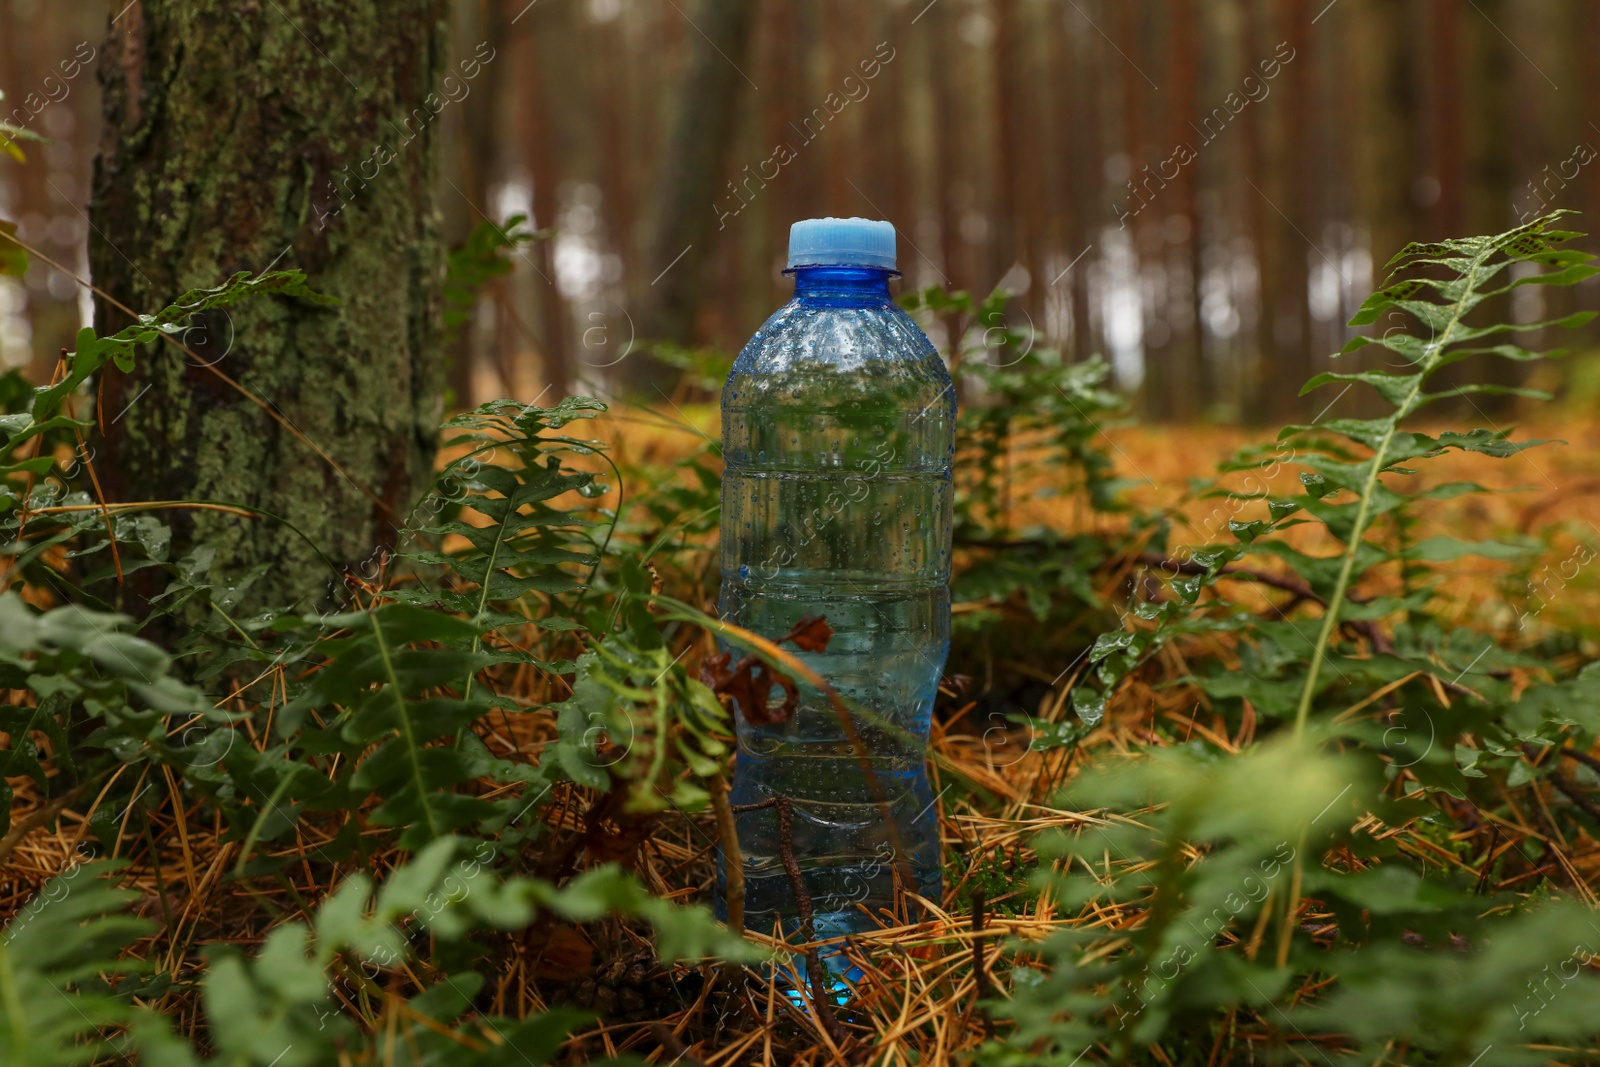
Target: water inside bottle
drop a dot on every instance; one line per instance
(837, 428)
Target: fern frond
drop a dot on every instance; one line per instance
(1474, 261)
(55, 954)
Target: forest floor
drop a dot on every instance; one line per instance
(1549, 494)
(918, 1000)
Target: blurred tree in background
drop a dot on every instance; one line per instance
(702, 131)
(1200, 191)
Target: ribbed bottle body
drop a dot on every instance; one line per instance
(838, 423)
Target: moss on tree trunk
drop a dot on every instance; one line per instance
(243, 135)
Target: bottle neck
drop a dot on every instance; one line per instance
(842, 286)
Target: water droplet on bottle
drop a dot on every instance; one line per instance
(836, 396)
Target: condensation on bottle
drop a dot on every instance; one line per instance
(838, 436)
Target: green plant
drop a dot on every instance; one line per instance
(58, 959)
(373, 745)
(101, 698)
(10, 135)
(1377, 950)
(1030, 420)
(656, 719)
(483, 257)
(525, 544)
(283, 1006)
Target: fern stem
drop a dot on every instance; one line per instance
(404, 716)
(483, 600)
(1330, 617)
(236, 627)
(255, 827)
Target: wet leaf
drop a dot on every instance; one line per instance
(810, 634)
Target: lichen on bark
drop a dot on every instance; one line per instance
(239, 136)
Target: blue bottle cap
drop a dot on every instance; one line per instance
(841, 243)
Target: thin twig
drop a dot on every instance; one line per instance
(802, 900)
(99, 494)
(1582, 757)
(981, 987)
(671, 1044)
(1488, 860)
(1575, 794)
(732, 858)
(116, 508)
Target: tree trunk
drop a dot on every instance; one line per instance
(1490, 145)
(300, 134)
(1009, 235)
(51, 322)
(1085, 195)
(690, 195)
(1144, 229)
(475, 145)
(1449, 155)
(1387, 163)
(953, 253)
(1587, 34)
(1188, 389)
(1293, 219)
(540, 146)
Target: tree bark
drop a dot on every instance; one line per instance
(242, 137)
(1083, 200)
(540, 147)
(686, 215)
(1387, 161)
(1144, 229)
(1490, 146)
(1289, 189)
(1186, 388)
(1448, 153)
(476, 128)
(955, 258)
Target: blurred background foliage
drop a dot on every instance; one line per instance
(1201, 192)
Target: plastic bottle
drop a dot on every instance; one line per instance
(838, 435)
